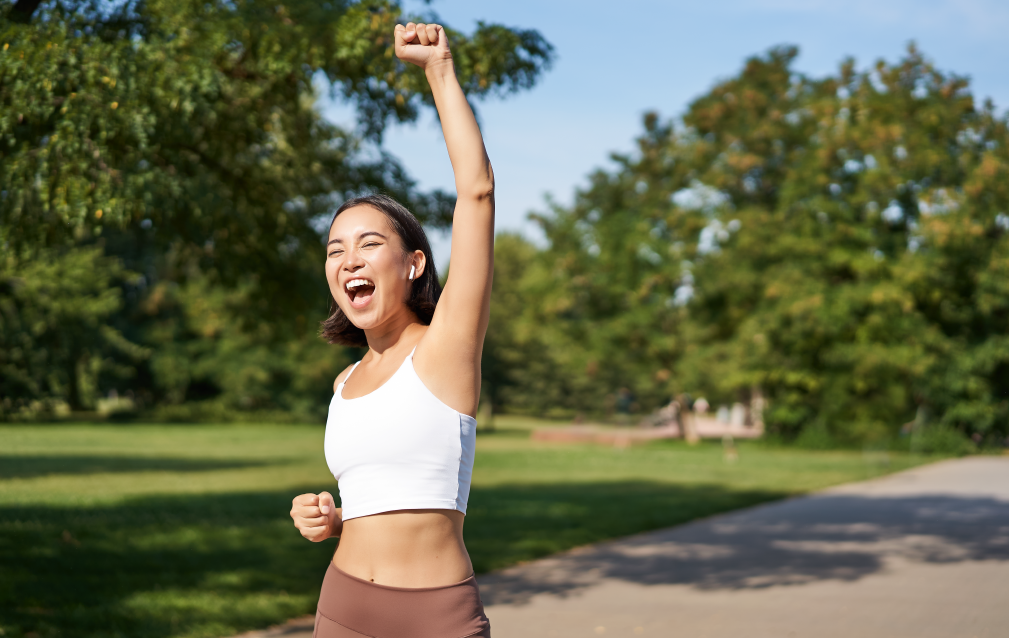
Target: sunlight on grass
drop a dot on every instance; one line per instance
(168, 531)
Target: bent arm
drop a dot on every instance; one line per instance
(448, 357)
(466, 299)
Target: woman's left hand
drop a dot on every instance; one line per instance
(425, 45)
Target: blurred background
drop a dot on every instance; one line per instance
(787, 219)
(793, 200)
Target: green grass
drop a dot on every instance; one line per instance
(146, 530)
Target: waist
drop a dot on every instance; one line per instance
(369, 609)
(405, 548)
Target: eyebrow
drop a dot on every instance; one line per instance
(364, 234)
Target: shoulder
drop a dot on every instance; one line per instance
(343, 375)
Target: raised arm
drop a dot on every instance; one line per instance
(450, 351)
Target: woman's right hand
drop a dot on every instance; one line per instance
(425, 45)
(316, 516)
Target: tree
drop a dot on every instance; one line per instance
(836, 242)
(838, 198)
(184, 135)
(55, 339)
(516, 374)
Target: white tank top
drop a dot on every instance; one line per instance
(399, 448)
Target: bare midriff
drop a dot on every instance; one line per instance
(405, 548)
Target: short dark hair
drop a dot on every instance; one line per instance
(338, 329)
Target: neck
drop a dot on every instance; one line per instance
(398, 329)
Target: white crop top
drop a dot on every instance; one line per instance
(399, 448)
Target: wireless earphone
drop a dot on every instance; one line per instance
(413, 269)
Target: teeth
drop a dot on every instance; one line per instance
(354, 283)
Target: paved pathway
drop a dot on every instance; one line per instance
(920, 554)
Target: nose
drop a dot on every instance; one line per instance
(353, 262)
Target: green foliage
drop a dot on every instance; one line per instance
(185, 136)
(945, 440)
(206, 354)
(839, 243)
(513, 367)
(200, 117)
(55, 335)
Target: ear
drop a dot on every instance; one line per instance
(418, 260)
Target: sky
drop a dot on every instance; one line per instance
(616, 61)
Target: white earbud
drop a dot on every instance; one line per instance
(413, 269)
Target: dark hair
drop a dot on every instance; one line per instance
(426, 290)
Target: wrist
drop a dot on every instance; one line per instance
(440, 71)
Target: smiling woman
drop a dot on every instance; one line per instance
(401, 439)
(397, 224)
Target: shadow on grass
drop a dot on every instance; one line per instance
(156, 566)
(220, 564)
(33, 465)
(226, 563)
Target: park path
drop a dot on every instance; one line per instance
(918, 554)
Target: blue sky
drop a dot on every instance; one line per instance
(615, 61)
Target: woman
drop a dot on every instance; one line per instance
(401, 431)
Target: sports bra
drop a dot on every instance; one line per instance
(399, 447)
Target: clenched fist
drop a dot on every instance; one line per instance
(316, 516)
(425, 45)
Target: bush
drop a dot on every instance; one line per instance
(942, 439)
(816, 436)
(220, 412)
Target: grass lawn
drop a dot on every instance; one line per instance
(183, 530)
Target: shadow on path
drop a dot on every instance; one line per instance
(828, 536)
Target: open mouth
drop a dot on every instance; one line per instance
(360, 291)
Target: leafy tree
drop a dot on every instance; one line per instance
(55, 337)
(606, 284)
(839, 198)
(837, 242)
(516, 374)
(184, 134)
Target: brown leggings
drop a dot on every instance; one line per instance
(350, 607)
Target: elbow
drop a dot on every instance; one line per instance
(481, 192)
(480, 189)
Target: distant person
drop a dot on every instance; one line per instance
(701, 406)
(401, 431)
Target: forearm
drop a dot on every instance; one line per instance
(474, 177)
